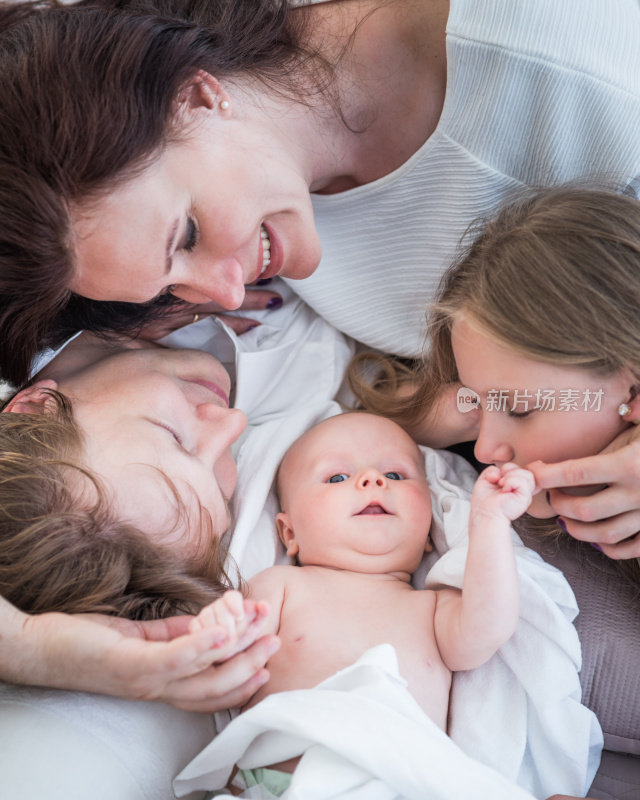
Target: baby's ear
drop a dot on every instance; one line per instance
(286, 534)
(34, 399)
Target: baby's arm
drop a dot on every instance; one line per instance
(471, 625)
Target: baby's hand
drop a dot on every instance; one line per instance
(505, 491)
(239, 619)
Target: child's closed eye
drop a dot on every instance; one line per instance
(519, 414)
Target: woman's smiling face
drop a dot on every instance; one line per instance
(532, 410)
(199, 219)
(158, 430)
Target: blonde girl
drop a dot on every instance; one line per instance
(539, 320)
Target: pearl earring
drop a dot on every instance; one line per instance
(225, 104)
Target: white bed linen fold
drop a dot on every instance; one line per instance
(363, 736)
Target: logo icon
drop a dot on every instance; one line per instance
(467, 400)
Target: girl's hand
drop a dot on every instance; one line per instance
(184, 314)
(158, 660)
(610, 517)
(504, 491)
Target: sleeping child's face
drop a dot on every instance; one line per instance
(354, 496)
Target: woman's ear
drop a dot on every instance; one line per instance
(629, 410)
(34, 399)
(202, 91)
(286, 534)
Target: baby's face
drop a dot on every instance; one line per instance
(355, 496)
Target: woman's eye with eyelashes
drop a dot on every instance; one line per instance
(394, 476)
(191, 235)
(339, 478)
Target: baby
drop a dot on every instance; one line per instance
(356, 517)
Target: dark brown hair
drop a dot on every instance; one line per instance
(62, 549)
(86, 99)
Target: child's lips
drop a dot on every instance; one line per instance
(372, 509)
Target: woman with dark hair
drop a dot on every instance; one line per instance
(156, 151)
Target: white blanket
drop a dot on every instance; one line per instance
(520, 713)
(363, 737)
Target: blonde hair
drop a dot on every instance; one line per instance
(59, 552)
(554, 276)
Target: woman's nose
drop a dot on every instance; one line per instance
(220, 428)
(491, 447)
(369, 478)
(219, 281)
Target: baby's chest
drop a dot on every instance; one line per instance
(340, 621)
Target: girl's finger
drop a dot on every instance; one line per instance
(627, 548)
(601, 506)
(589, 471)
(605, 532)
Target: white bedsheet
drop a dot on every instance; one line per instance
(520, 713)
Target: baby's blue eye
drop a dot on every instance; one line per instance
(393, 476)
(338, 478)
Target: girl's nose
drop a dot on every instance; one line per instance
(371, 477)
(491, 447)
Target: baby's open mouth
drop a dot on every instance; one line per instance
(372, 508)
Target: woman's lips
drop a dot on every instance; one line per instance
(277, 256)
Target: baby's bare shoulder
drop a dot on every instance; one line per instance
(279, 575)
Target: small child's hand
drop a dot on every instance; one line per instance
(504, 491)
(239, 619)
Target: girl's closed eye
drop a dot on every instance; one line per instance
(519, 414)
(339, 478)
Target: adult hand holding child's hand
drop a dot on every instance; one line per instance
(155, 660)
(609, 517)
